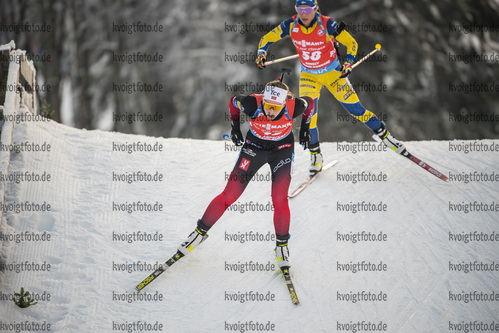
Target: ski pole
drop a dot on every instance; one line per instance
(281, 59)
(377, 48)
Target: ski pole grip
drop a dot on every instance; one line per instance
(284, 70)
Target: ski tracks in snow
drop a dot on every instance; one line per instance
(334, 232)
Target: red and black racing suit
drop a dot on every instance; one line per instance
(267, 141)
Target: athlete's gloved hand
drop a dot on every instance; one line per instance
(260, 60)
(346, 69)
(305, 136)
(236, 136)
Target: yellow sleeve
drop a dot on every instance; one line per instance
(346, 39)
(276, 34)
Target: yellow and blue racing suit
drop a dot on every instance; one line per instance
(320, 65)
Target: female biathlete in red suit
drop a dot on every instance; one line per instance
(269, 141)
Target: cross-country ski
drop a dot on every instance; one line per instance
(310, 179)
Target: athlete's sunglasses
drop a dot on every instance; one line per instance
(275, 107)
(305, 10)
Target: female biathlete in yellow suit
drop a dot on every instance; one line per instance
(313, 36)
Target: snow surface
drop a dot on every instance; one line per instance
(87, 286)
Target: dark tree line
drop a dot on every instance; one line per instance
(432, 52)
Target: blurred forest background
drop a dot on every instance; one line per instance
(208, 49)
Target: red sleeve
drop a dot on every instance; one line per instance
(235, 113)
(304, 106)
(309, 111)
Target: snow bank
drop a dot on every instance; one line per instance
(377, 243)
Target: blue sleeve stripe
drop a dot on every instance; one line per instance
(331, 26)
(285, 27)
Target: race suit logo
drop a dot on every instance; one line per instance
(281, 163)
(244, 164)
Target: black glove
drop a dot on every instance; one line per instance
(305, 136)
(236, 136)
